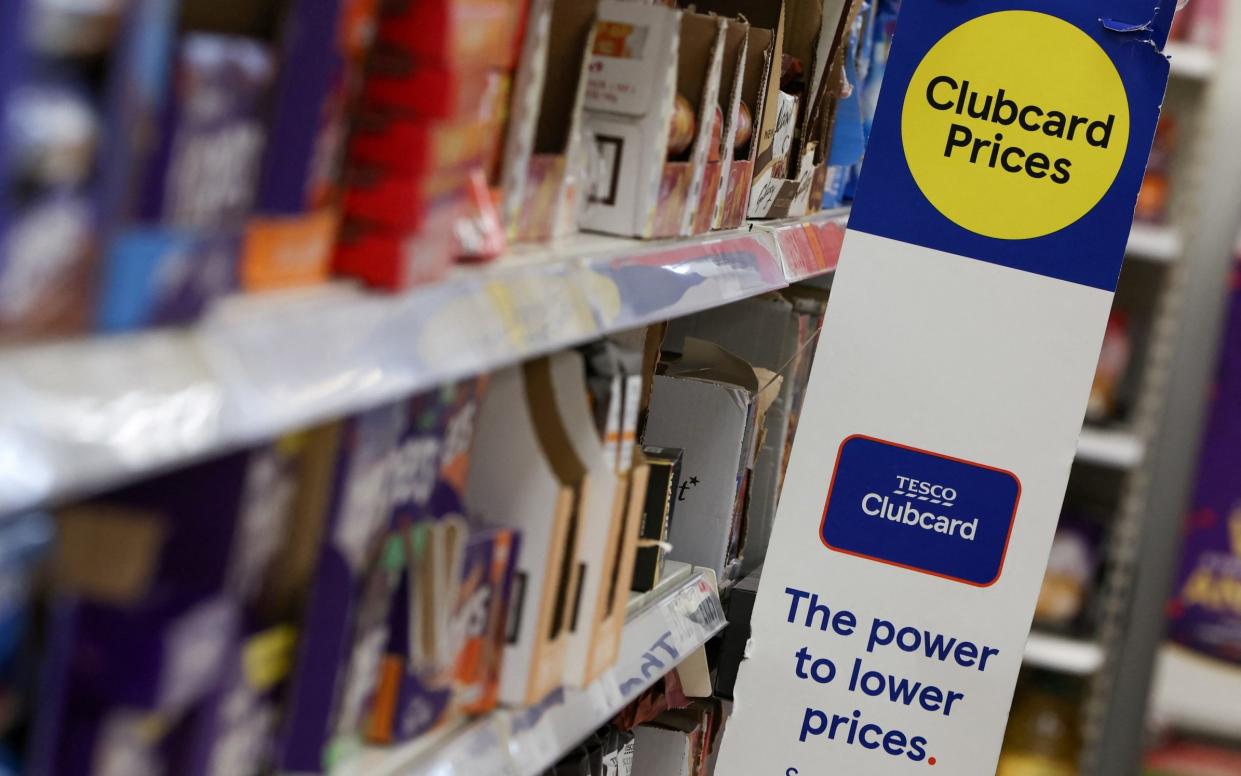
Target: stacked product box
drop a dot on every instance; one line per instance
(651, 106)
(425, 148)
(446, 617)
(291, 236)
(157, 592)
(328, 591)
(54, 80)
(179, 194)
(542, 465)
(794, 109)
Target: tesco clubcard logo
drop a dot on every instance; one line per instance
(920, 510)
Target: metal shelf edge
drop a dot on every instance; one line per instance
(664, 627)
(1063, 654)
(101, 411)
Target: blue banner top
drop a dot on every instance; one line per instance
(1017, 132)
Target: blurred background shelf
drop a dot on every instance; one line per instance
(1114, 448)
(1063, 654)
(1155, 243)
(1191, 61)
(1196, 695)
(260, 365)
(664, 627)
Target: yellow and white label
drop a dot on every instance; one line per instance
(1015, 124)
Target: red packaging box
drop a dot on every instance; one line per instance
(395, 259)
(434, 91)
(472, 33)
(400, 200)
(418, 147)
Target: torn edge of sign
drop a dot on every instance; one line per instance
(1143, 31)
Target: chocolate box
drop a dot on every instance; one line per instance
(643, 56)
(344, 623)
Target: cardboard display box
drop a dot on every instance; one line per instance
(706, 404)
(757, 58)
(608, 531)
(764, 331)
(723, 163)
(791, 131)
(525, 474)
(643, 55)
(544, 167)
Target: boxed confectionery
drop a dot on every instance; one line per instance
(751, 84)
(793, 116)
(348, 587)
(323, 46)
(650, 106)
(446, 612)
(65, 87)
(424, 156)
(179, 201)
(157, 594)
(707, 403)
(545, 163)
(526, 475)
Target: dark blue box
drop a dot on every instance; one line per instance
(920, 510)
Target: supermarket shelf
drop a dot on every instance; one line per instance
(1191, 61)
(1196, 694)
(1154, 243)
(810, 246)
(1063, 654)
(1118, 449)
(88, 414)
(664, 627)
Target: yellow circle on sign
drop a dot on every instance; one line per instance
(1015, 124)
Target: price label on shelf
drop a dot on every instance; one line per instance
(974, 284)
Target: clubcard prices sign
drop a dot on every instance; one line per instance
(960, 342)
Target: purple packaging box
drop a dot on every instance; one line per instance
(232, 732)
(324, 44)
(137, 91)
(432, 456)
(13, 66)
(447, 591)
(330, 660)
(425, 681)
(153, 582)
(160, 276)
(1201, 613)
(205, 172)
(164, 656)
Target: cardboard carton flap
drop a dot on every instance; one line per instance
(702, 360)
(554, 437)
(758, 58)
(698, 36)
(571, 25)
